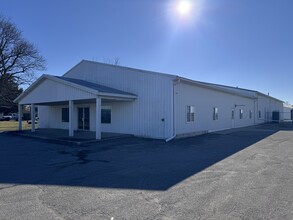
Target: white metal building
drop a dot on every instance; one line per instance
(107, 98)
(287, 111)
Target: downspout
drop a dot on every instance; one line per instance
(254, 112)
(174, 109)
(257, 110)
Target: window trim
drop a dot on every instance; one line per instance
(250, 114)
(241, 113)
(190, 114)
(64, 118)
(106, 108)
(215, 113)
(259, 113)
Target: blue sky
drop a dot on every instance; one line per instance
(244, 43)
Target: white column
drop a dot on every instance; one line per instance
(19, 117)
(71, 106)
(33, 117)
(98, 118)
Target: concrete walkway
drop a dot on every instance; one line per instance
(83, 137)
(79, 137)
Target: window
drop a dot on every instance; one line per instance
(259, 114)
(65, 114)
(106, 116)
(215, 114)
(250, 114)
(240, 113)
(190, 113)
(233, 114)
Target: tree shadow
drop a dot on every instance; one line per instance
(129, 163)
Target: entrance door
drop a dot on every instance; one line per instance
(83, 118)
(233, 118)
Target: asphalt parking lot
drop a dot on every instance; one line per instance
(240, 174)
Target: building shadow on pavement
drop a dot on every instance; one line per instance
(126, 163)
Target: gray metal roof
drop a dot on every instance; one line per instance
(95, 86)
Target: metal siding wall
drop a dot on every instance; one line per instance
(43, 113)
(119, 116)
(263, 106)
(286, 113)
(49, 90)
(53, 115)
(267, 105)
(143, 116)
(204, 100)
(56, 118)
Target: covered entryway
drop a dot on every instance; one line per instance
(70, 103)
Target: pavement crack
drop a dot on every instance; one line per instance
(56, 214)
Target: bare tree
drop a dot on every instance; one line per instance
(115, 61)
(18, 57)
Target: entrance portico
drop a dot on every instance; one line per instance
(73, 94)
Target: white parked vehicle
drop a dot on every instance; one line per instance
(10, 116)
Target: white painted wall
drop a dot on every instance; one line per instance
(287, 112)
(49, 90)
(119, 118)
(44, 114)
(267, 105)
(143, 117)
(204, 100)
(51, 117)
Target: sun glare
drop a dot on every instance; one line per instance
(184, 7)
(184, 13)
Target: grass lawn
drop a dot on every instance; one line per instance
(13, 125)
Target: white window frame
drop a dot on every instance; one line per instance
(111, 118)
(215, 113)
(190, 114)
(259, 113)
(241, 113)
(66, 120)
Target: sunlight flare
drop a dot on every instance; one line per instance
(184, 7)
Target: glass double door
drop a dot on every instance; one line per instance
(84, 118)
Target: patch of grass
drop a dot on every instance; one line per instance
(13, 125)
